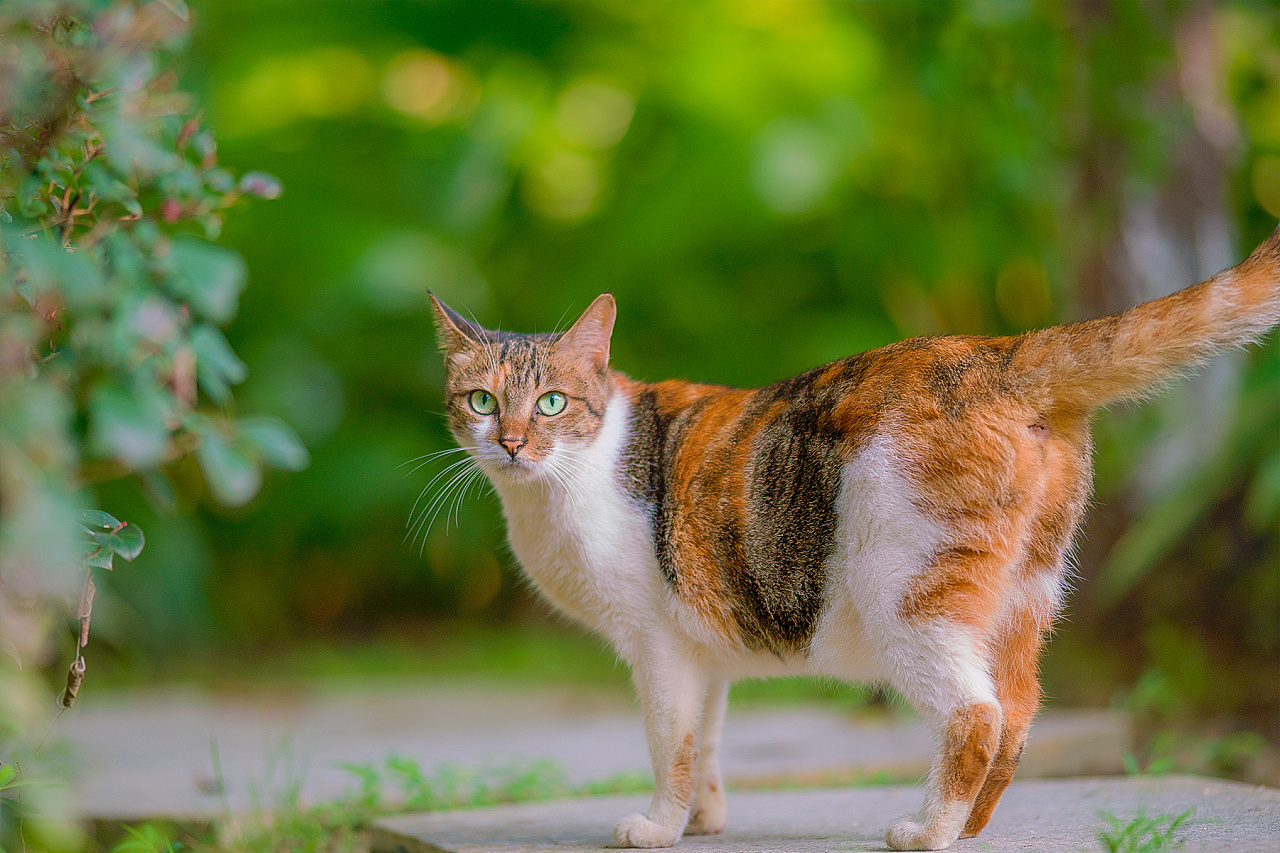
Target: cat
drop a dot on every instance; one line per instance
(903, 515)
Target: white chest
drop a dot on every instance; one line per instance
(586, 547)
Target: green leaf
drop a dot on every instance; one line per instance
(50, 267)
(91, 518)
(146, 839)
(123, 427)
(126, 542)
(277, 444)
(233, 477)
(210, 277)
(217, 365)
(106, 186)
(97, 556)
(1170, 518)
(1262, 501)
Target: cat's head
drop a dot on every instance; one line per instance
(516, 401)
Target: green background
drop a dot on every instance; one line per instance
(764, 186)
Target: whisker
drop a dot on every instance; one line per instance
(431, 483)
(427, 458)
(439, 503)
(443, 495)
(419, 521)
(476, 476)
(556, 329)
(416, 525)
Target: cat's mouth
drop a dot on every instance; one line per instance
(519, 468)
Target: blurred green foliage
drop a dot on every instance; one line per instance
(763, 186)
(112, 363)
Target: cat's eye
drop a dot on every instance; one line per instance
(552, 403)
(483, 403)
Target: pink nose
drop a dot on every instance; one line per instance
(512, 445)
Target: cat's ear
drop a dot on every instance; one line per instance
(588, 337)
(453, 331)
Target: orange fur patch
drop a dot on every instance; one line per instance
(969, 746)
(1018, 689)
(681, 776)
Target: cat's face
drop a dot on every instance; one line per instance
(524, 404)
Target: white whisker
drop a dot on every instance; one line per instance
(429, 457)
(431, 483)
(441, 501)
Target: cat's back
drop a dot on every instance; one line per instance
(747, 490)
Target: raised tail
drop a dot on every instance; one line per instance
(1096, 362)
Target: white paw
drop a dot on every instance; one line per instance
(709, 815)
(906, 833)
(636, 830)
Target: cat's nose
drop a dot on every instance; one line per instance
(512, 445)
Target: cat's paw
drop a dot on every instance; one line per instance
(709, 814)
(907, 833)
(636, 830)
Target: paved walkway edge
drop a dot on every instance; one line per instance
(1049, 816)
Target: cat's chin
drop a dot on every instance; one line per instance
(512, 470)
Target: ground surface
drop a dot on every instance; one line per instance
(1047, 816)
(153, 754)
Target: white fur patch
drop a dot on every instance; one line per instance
(882, 542)
(585, 546)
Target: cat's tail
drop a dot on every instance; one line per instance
(1090, 364)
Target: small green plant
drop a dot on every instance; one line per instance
(633, 782)
(1172, 751)
(400, 785)
(145, 839)
(1142, 834)
(1156, 766)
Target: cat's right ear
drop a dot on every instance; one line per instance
(454, 332)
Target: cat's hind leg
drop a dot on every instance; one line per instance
(710, 811)
(970, 734)
(672, 691)
(1019, 691)
(1016, 653)
(933, 643)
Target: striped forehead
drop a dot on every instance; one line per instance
(521, 360)
(506, 359)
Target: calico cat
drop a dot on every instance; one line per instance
(901, 515)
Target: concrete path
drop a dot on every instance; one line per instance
(1045, 816)
(152, 754)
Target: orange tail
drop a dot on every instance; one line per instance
(1090, 364)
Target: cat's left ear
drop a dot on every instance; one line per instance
(588, 338)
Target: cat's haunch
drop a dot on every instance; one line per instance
(900, 515)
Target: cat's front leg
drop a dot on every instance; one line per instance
(672, 691)
(710, 811)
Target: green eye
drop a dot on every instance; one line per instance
(482, 403)
(552, 403)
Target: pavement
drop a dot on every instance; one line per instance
(1040, 815)
(192, 755)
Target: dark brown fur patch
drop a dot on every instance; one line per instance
(741, 487)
